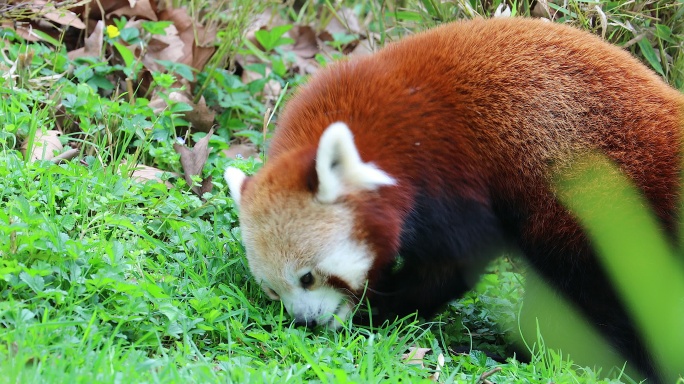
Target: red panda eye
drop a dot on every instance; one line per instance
(307, 280)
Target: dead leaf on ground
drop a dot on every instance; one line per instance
(362, 49)
(96, 8)
(194, 53)
(345, 21)
(201, 117)
(245, 151)
(272, 88)
(25, 30)
(305, 42)
(60, 16)
(144, 9)
(193, 160)
(92, 46)
(45, 145)
(415, 355)
(144, 173)
(167, 47)
(541, 10)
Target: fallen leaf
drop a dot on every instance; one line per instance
(541, 9)
(25, 30)
(60, 16)
(305, 42)
(201, 117)
(106, 6)
(272, 88)
(193, 160)
(345, 21)
(192, 53)
(244, 151)
(144, 9)
(45, 144)
(144, 173)
(201, 56)
(415, 355)
(206, 187)
(362, 49)
(92, 46)
(167, 47)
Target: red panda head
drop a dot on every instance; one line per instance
(298, 226)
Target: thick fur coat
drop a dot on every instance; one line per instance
(440, 149)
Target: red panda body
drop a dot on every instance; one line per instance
(469, 121)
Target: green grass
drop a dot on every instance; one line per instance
(106, 279)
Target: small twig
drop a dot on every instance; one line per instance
(485, 375)
(129, 89)
(267, 118)
(66, 155)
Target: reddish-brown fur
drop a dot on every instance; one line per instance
(484, 111)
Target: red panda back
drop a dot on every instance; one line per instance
(489, 104)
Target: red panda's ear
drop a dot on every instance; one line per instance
(340, 169)
(235, 179)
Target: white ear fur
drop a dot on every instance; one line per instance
(339, 166)
(235, 178)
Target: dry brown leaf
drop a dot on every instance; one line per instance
(183, 23)
(145, 173)
(96, 8)
(206, 35)
(163, 47)
(25, 30)
(193, 160)
(62, 16)
(415, 355)
(193, 53)
(541, 9)
(305, 42)
(362, 49)
(201, 117)
(92, 46)
(305, 66)
(272, 88)
(241, 150)
(45, 145)
(206, 187)
(345, 21)
(201, 56)
(144, 9)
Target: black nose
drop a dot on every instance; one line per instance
(305, 323)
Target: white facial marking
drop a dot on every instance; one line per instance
(348, 261)
(339, 166)
(319, 305)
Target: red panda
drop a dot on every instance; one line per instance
(439, 150)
